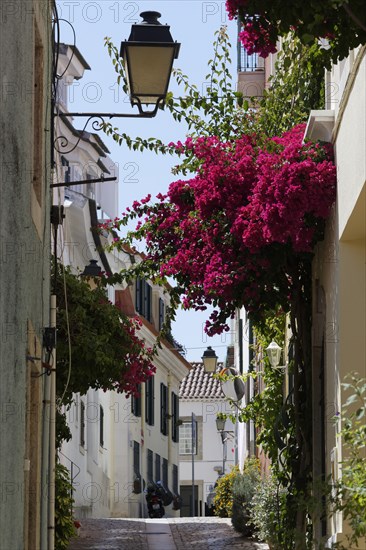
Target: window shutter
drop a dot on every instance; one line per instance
(150, 475)
(175, 479)
(82, 423)
(163, 409)
(136, 458)
(161, 313)
(147, 302)
(138, 295)
(175, 417)
(101, 426)
(149, 401)
(136, 403)
(157, 468)
(165, 472)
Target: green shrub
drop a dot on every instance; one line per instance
(351, 487)
(243, 490)
(64, 522)
(223, 499)
(265, 512)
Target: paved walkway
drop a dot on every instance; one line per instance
(209, 533)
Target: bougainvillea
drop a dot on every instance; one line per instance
(258, 36)
(236, 233)
(342, 23)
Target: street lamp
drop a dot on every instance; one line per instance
(220, 425)
(209, 359)
(148, 57)
(274, 355)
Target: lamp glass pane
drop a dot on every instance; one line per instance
(274, 354)
(220, 424)
(149, 69)
(209, 364)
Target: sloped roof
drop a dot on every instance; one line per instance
(200, 385)
(62, 48)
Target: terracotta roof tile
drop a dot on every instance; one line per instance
(200, 385)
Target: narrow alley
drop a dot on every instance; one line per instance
(206, 533)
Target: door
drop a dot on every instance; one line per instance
(186, 494)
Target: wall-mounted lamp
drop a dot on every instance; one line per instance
(148, 57)
(274, 355)
(209, 359)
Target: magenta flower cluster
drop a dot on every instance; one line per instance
(257, 37)
(138, 361)
(231, 235)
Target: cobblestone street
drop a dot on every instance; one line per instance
(161, 534)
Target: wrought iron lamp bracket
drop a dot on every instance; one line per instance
(61, 142)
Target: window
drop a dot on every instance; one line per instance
(157, 468)
(163, 409)
(149, 401)
(82, 423)
(143, 298)
(186, 438)
(149, 472)
(136, 403)
(101, 426)
(165, 472)
(175, 478)
(161, 313)
(175, 417)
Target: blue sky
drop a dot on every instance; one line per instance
(192, 23)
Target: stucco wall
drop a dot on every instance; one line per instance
(209, 459)
(24, 267)
(339, 267)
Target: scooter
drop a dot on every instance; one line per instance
(154, 502)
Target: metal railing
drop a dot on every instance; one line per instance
(246, 62)
(249, 63)
(73, 475)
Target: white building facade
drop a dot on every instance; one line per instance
(118, 444)
(201, 399)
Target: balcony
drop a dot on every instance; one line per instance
(251, 74)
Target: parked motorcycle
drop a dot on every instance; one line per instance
(154, 500)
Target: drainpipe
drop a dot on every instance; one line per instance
(45, 461)
(52, 440)
(170, 416)
(142, 443)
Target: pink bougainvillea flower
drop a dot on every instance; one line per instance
(235, 233)
(258, 37)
